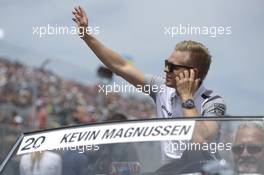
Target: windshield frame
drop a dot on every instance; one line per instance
(15, 147)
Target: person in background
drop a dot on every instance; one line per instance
(74, 162)
(248, 148)
(100, 161)
(47, 162)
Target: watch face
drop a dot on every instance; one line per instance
(188, 104)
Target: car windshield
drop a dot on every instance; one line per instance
(157, 146)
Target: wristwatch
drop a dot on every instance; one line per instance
(188, 104)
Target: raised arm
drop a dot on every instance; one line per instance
(110, 58)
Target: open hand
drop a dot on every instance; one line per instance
(80, 18)
(186, 84)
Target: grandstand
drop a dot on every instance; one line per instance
(34, 98)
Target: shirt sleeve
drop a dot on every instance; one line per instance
(214, 106)
(153, 85)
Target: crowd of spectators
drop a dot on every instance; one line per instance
(37, 98)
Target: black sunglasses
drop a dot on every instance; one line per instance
(171, 67)
(251, 149)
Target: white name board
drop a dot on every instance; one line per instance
(135, 131)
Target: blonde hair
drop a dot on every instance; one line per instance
(35, 159)
(200, 56)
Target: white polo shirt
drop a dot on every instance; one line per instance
(169, 105)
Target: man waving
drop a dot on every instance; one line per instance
(181, 94)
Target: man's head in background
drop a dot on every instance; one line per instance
(187, 55)
(117, 117)
(248, 147)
